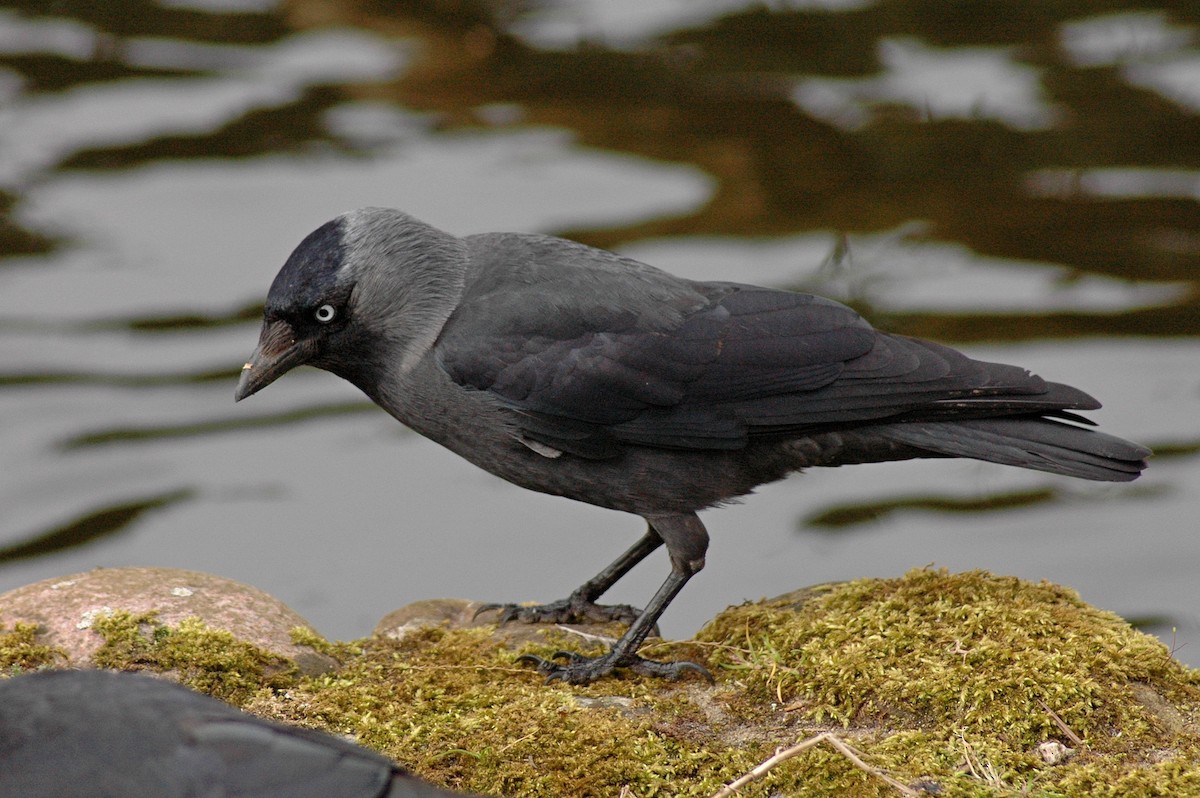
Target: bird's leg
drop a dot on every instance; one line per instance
(687, 541)
(581, 604)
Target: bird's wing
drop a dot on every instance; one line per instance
(594, 352)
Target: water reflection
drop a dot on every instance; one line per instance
(1025, 179)
(16, 240)
(840, 518)
(89, 528)
(146, 433)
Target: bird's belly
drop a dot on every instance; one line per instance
(641, 480)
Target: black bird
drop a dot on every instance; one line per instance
(577, 372)
(99, 734)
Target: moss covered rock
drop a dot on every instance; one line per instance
(64, 611)
(934, 683)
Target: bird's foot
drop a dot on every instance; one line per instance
(579, 669)
(573, 609)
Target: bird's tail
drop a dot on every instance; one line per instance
(1027, 442)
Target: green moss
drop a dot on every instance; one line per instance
(20, 650)
(305, 637)
(455, 707)
(943, 670)
(210, 660)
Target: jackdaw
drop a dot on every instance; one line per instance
(99, 734)
(577, 372)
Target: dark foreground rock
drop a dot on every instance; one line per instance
(100, 734)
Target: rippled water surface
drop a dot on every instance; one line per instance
(1018, 179)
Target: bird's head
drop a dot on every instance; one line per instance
(364, 293)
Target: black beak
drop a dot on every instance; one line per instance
(278, 352)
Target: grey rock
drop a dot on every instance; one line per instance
(64, 608)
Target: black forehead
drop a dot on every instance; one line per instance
(310, 273)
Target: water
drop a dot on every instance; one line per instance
(1029, 191)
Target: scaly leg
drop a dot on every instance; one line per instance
(687, 541)
(581, 604)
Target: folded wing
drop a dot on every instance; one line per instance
(594, 352)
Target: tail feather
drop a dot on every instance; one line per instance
(1038, 443)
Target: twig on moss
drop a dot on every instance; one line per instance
(783, 754)
(1062, 725)
(588, 636)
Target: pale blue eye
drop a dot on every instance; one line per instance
(325, 313)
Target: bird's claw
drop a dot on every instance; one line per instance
(574, 609)
(580, 669)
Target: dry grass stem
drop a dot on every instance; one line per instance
(591, 638)
(783, 754)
